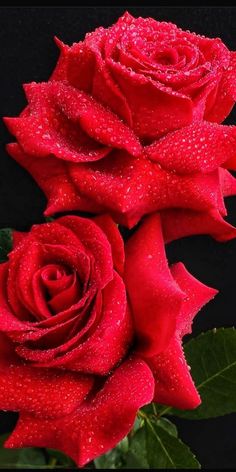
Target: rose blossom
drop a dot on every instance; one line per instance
(91, 330)
(153, 74)
(128, 124)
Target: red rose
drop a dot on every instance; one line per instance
(85, 158)
(152, 74)
(77, 359)
(101, 135)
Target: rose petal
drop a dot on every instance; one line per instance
(60, 71)
(17, 303)
(108, 342)
(66, 298)
(43, 392)
(174, 385)
(100, 123)
(54, 135)
(197, 295)
(154, 296)
(54, 179)
(99, 424)
(8, 321)
(34, 253)
(227, 182)
(178, 223)
(86, 70)
(64, 122)
(17, 237)
(155, 109)
(129, 188)
(52, 345)
(95, 242)
(114, 237)
(200, 147)
(220, 106)
(124, 186)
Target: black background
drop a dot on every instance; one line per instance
(28, 53)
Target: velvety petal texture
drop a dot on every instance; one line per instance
(63, 302)
(98, 424)
(66, 332)
(154, 75)
(164, 302)
(154, 296)
(91, 330)
(174, 385)
(42, 392)
(127, 187)
(69, 124)
(127, 128)
(129, 123)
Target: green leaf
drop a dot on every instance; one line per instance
(155, 446)
(136, 457)
(113, 459)
(153, 412)
(49, 219)
(5, 243)
(212, 357)
(59, 458)
(31, 457)
(108, 460)
(139, 422)
(20, 458)
(168, 426)
(165, 451)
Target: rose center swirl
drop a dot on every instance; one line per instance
(60, 286)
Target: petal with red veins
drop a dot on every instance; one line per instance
(174, 385)
(98, 424)
(154, 296)
(200, 147)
